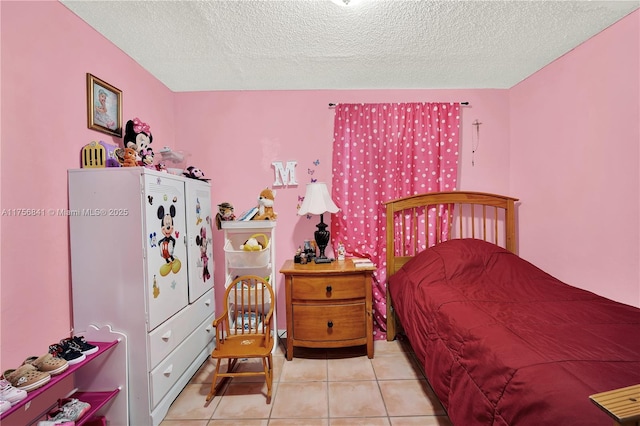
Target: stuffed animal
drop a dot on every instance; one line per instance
(225, 212)
(252, 244)
(137, 136)
(147, 159)
(194, 173)
(265, 205)
(129, 159)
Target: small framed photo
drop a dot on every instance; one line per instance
(104, 106)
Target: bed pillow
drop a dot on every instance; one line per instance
(454, 257)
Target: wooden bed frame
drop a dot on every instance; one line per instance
(462, 214)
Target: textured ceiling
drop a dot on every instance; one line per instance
(368, 44)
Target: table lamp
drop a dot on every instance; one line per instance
(318, 201)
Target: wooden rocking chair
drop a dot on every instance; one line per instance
(244, 330)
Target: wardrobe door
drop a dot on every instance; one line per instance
(166, 285)
(199, 229)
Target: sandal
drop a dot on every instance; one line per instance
(48, 363)
(27, 377)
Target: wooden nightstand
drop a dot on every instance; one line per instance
(328, 305)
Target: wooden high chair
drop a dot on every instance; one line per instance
(244, 330)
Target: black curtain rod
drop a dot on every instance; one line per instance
(461, 103)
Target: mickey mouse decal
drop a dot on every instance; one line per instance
(168, 243)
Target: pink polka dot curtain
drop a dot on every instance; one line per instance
(382, 152)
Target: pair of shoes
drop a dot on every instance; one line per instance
(80, 344)
(73, 349)
(69, 409)
(10, 394)
(48, 363)
(67, 352)
(4, 405)
(26, 377)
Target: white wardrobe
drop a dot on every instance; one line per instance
(142, 263)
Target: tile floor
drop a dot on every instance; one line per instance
(336, 387)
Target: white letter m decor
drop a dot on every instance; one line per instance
(285, 176)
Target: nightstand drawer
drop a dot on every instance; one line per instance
(329, 323)
(328, 287)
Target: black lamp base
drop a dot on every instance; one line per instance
(322, 240)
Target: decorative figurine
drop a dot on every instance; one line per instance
(341, 251)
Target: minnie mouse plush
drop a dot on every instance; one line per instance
(137, 136)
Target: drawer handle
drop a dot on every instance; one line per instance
(207, 302)
(330, 324)
(166, 336)
(329, 288)
(168, 371)
(208, 329)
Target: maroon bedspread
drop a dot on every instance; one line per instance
(504, 343)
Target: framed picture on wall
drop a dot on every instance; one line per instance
(104, 106)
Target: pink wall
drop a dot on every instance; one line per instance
(46, 53)
(234, 137)
(574, 164)
(237, 135)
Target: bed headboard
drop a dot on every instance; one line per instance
(417, 222)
